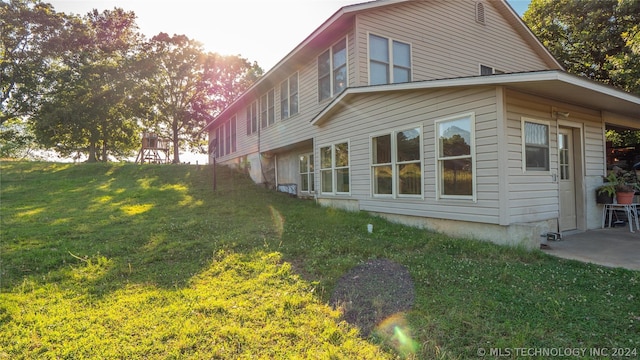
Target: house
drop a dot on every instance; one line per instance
(448, 115)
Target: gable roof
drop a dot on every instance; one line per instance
(553, 84)
(343, 19)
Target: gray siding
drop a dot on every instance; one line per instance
(446, 40)
(534, 195)
(380, 113)
(457, 51)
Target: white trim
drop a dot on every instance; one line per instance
(502, 139)
(390, 41)
(332, 69)
(524, 120)
(288, 82)
(515, 80)
(334, 168)
(474, 187)
(310, 174)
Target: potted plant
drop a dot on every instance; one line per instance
(605, 194)
(621, 183)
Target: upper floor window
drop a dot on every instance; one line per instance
(488, 70)
(267, 109)
(252, 118)
(456, 157)
(332, 70)
(289, 97)
(389, 61)
(535, 138)
(226, 138)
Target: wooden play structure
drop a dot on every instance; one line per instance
(154, 150)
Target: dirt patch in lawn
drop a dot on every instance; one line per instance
(372, 292)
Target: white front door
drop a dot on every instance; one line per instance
(568, 216)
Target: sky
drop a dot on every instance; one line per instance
(264, 31)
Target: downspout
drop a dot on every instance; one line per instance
(275, 159)
(259, 151)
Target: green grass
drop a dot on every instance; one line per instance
(125, 261)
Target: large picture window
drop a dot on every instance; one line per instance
(396, 164)
(389, 61)
(456, 157)
(289, 97)
(332, 70)
(536, 145)
(306, 173)
(334, 168)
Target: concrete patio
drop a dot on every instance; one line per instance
(613, 247)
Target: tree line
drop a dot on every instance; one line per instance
(88, 86)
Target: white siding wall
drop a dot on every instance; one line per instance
(398, 111)
(446, 40)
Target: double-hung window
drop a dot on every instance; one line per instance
(456, 157)
(252, 118)
(289, 97)
(334, 168)
(226, 137)
(535, 139)
(267, 109)
(306, 173)
(396, 163)
(389, 61)
(332, 70)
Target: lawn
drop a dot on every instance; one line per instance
(126, 261)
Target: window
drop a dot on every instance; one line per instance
(271, 103)
(233, 135)
(396, 164)
(267, 109)
(332, 70)
(220, 140)
(306, 173)
(456, 157)
(334, 168)
(289, 97)
(252, 118)
(386, 67)
(488, 70)
(226, 138)
(535, 137)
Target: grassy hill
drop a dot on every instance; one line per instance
(128, 261)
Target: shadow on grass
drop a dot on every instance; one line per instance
(158, 224)
(107, 226)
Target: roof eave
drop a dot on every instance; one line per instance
(340, 15)
(494, 80)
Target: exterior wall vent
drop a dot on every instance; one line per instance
(480, 13)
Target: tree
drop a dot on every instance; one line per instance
(29, 33)
(599, 39)
(16, 139)
(189, 87)
(92, 84)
